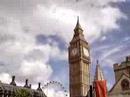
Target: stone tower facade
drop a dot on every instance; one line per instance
(124, 67)
(121, 88)
(79, 64)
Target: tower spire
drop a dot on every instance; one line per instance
(77, 19)
(78, 26)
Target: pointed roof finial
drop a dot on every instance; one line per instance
(13, 81)
(39, 87)
(26, 83)
(78, 26)
(97, 62)
(99, 73)
(78, 19)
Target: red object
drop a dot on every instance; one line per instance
(100, 88)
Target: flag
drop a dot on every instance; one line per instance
(100, 88)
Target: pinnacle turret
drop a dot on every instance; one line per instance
(99, 73)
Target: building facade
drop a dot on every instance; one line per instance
(121, 88)
(11, 90)
(79, 64)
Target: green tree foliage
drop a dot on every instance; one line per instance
(22, 93)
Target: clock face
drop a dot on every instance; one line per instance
(74, 51)
(86, 52)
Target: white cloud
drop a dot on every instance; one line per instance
(21, 21)
(35, 68)
(60, 14)
(110, 52)
(103, 38)
(110, 17)
(20, 51)
(5, 77)
(95, 19)
(53, 92)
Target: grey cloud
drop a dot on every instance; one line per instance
(5, 37)
(35, 54)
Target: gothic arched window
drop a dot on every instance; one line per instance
(125, 84)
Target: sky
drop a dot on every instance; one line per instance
(35, 35)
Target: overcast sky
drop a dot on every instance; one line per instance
(35, 35)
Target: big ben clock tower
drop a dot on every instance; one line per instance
(79, 64)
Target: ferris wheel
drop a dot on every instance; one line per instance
(54, 89)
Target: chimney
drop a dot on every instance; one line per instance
(30, 86)
(39, 87)
(26, 83)
(13, 81)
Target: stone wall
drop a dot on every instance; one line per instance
(119, 95)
